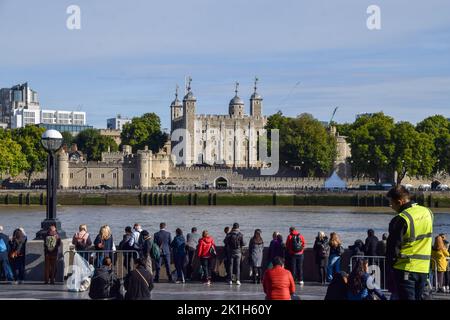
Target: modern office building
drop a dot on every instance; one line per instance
(117, 123)
(17, 98)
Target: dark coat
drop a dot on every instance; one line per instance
(178, 246)
(231, 249)
(104, 284)
(277, 248)
(163, 239)
(337, 289)
(147, 245)
(381, 248)
(321, 250)
(370, 246)
(18, 243)
(137, 288)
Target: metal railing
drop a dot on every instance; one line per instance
(122, 260)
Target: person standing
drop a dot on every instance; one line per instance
(137, 229)
(146, 251)
(277, 248)
(409, 245)
(256, 250)
(17, 255)
(178, 246)
(138, 283)
(52, 242)
(82, 241)
(334, 260)
(234, 241)
(163, 239)
(4, 259)
(191, 245)
(295, 244)
(370, 246)
(205, 252)
(278, 283)
(439, 262)
(321, 253)
(104, 242)
(127, 244)
(226, 254)
(381, 246)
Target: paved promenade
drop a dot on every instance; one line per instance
(169, 291)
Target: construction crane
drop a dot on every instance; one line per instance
(332, 117)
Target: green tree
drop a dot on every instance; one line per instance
(343, 128)
(413, 152)
(29, 138)
(371, 144)
(68, 138)
(12, 160)
(438, 127)
(144, 131)
(91, 143)
(304, 142)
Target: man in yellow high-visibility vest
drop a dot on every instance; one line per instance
(409, 245)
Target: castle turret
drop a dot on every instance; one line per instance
(63, 169)
(145, 168)
(236, 106)
(256, 102)
(189, 102)
(176, 108)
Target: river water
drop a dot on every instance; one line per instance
(350, 223)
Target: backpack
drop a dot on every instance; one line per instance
(101, 285)
(234, 241)
(3, 247)
(155, 252)
(297, 243)
(50, 243)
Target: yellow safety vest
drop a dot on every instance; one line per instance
(415, 252)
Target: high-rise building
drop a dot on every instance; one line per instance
(117, 123)
(15, 99)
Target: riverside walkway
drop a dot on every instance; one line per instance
(168, 291)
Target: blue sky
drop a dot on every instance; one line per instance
(128, 56)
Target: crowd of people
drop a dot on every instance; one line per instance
(407, 249)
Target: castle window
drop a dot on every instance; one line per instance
(114, 175)
(103, 176)
(163, 173)
(132, 176)
(89, 175)
(71, 176)
(146, 174)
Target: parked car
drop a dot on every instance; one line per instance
(425, 187)
(408, 186)
(442, 187)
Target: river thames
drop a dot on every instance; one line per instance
(350, 223)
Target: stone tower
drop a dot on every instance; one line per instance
(236, 106)
(176, 108)
(189, 102)
(63, 169)
(256, 102)
(144, 161)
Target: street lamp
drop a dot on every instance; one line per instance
(51, 141)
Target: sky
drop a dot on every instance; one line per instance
(310, 56)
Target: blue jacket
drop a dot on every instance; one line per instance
(6, 240)
(178, 246)
(163, 239)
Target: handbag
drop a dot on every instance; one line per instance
(212, 251)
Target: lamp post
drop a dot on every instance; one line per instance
(51, 141)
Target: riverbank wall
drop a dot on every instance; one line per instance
(217, 198)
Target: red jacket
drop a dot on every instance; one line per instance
(204, 244)
(289, 243)
(278, 284)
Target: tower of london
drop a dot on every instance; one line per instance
(221, 140)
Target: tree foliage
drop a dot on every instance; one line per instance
(12, 160)
(144, 131)
(29, 138)
(91, 143)
(438, 127)
(304, 142)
